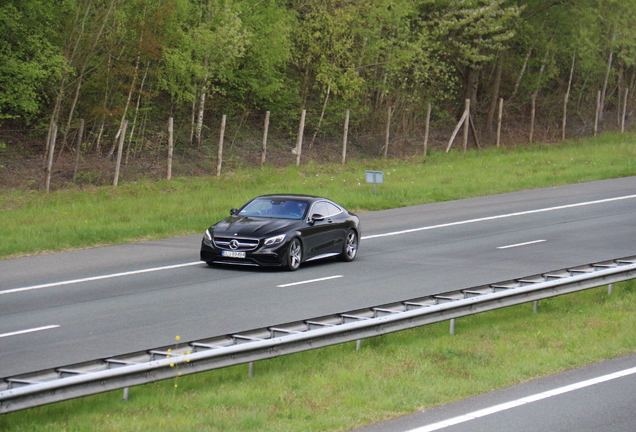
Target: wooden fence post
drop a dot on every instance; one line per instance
(427, 128)
(532, 114)
(120, 150)
(170, 146)
(499, 118)
(387, 133)
(299, 141)
(49, 165)
(598, 110)
(624, 110)
(220, 156)
(265, 132)
(454, 134)
(78, 149)
(564, 121)
(344, 138)
(474, 129)
(467, 124)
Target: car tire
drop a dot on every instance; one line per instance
(294, 254)
(350, 247)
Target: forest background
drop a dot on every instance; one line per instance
(106, 63)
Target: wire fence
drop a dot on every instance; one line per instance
(195, 153)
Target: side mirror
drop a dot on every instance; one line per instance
(234, 212)
(317, 217)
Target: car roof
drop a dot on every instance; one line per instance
(297, 197)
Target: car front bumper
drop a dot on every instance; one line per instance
(264, 256)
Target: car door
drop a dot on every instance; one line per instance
(338, 227)
(325, 234)
(316, 235)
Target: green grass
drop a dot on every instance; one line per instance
(336, 388)
(33, 222)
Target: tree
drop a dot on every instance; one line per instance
(29, 61)
(257, 79)
(210, 38)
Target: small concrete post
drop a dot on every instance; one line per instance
(609, 289)
(452, 326)
(535, 307)
(358, 344)
(126, 392)
(250, 370)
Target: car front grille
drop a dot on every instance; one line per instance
(235, 244)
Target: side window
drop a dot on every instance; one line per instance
(333, 210)
(320, 208)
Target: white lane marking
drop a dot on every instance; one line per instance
(526, 400)
(498, 217)
(28, 331)
(521, 244)
(309, 281)
(94, 278)
(54, 284)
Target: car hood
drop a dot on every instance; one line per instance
(253, 227)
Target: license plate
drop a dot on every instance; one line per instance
(233, 254)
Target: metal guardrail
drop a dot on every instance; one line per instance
(63, 383)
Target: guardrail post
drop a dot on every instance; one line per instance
(250, 370)
(358, 344)
(609, 289)
(535, 307)
(325, 333)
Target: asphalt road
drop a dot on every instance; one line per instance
(65, 308)
(596, 398)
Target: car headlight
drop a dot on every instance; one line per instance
(208, 236)
(274, 240)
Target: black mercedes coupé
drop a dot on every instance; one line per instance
(282, 231)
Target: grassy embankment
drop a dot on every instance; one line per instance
(336, 388)
(32, 222)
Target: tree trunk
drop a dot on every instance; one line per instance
(201, 112)
(322, 116)
(129, 98)
(471, 85)
(536, 93)
(134, 123)
(80, 77)
(194, 109)
(69, 54)
(566, 98)
(104, 105)
(495, 93)
(605, 81)
(521, 73)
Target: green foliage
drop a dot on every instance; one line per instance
(258, 78)
(209, 38)
(29, 61)
(93, 59)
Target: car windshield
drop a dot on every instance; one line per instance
(274, 208)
